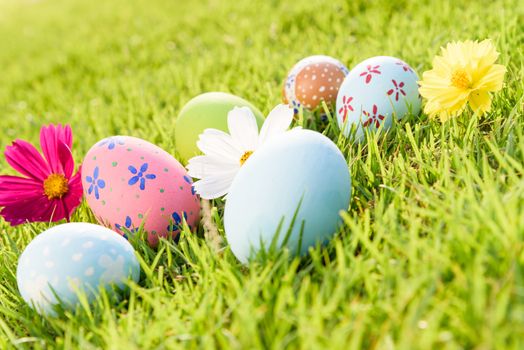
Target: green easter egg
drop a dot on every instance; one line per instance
(208, 110)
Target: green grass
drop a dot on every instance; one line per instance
(432, 251)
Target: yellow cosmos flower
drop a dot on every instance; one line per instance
(466, 72)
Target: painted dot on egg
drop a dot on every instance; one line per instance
(313, 78)
(77, 257)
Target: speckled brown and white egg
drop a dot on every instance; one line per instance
(312, 80)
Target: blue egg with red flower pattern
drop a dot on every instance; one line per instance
(374, 92)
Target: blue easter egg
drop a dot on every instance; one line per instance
(300, 174)
(71, 258)
(374, 92)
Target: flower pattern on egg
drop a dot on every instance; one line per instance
(373, 118)
(128, 225)
(190, 182)
(368, 73)
(111, 142)
(404, 66)
(382, 89)
(95, 183)
(176, 223)
(139, 176)
(346, 107)
(397, 89)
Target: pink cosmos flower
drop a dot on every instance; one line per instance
(48, 191)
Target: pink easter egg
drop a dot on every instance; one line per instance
(129, 182)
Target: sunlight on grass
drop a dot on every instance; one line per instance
(431, 254)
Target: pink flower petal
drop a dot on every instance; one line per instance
(26, 159)
(14, 189)
(36, 210)
(59, 211)
(66, 163)
(73, 198)
(51, 139)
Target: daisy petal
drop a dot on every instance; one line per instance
(278, 121)
(202, 166)
(218, 144)
(214, 187)
(243, 128)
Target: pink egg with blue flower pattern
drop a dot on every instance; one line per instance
(129, 183)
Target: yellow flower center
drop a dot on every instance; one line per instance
(55, 186)
(245, 156)
(460, 79)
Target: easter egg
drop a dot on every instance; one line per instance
(130, 183)
(374, 92)
(208, 110)
(74, 258)
(297, 182)
(312, 80)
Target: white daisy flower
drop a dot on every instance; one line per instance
(224, 153)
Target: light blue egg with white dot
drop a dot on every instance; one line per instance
(300, 175)
(71, 259)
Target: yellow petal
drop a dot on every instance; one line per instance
(446, 110)
(450, 97)
(486, 53)
(432, 84)
(480, 102)
(432, 109)
(493, 79)
(441, 66)
(454, 53)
